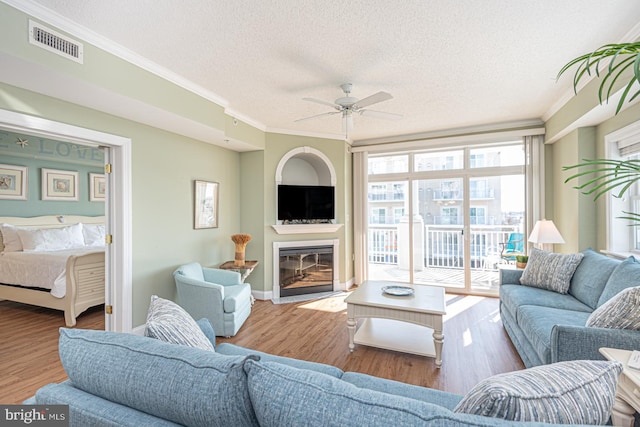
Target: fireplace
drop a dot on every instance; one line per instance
(303, 268)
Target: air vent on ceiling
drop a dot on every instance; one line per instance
(46, 38)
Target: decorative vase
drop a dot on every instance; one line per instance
(241, 241)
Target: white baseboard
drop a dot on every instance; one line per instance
(262, 295)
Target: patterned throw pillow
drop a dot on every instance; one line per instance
(168, 322)
(551, 271)
(573, 392)
(620, 312)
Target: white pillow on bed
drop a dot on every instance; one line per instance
(10, 238)
(93, 234)
(51, 239)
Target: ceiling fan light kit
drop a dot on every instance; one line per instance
(347, 105)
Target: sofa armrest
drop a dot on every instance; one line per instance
(221, 277)
(581, 342)
(510, 277)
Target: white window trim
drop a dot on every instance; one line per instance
(618, 243)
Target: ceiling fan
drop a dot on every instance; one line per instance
(347, 105)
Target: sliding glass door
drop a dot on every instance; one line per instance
(447, 216)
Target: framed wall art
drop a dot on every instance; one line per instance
(206, 204)
(97, 187)
(13, 182)
(59, 185)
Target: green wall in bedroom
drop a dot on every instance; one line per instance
(46, 153)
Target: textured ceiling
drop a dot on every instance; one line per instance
(448, 64)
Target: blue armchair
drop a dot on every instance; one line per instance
(218, 295)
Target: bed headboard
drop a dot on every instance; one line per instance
(49, 221)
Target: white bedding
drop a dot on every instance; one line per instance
(45, 269)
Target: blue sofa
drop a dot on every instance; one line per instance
(127, 380)
(548, 327)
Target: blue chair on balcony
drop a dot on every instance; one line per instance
(512, 247)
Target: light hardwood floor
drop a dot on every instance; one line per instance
(475, 347)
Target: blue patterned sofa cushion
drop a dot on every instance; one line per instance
(620, 312)
(185, 385)
(235, 350)
(169, 322)
(624, 276)
(591, 276)
(551, 271)
(580, 391)
(285, 396)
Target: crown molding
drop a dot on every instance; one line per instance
(74, 29)
(447, 133)
(339, 137)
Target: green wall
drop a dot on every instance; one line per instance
(583, 219)
(259, 178)
(164, 166)
(46, 153)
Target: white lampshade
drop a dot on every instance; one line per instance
(545, 233)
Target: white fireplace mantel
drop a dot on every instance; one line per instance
(306, 228)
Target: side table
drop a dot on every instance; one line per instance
(244, 271)
(628, 393)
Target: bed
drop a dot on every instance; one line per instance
(44, 272)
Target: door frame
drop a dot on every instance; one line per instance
(118, 209)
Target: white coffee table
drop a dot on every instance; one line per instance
(399, 323)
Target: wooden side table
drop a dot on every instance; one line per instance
(244, 271)
(628, 393)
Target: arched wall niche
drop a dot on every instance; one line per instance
(305, 166)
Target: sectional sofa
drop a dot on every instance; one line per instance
(547, 326)
(127, 380)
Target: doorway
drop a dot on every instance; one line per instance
(118, 269)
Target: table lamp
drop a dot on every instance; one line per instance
(545, 234)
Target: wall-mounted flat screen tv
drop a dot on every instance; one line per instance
(306, 202)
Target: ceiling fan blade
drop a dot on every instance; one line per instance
(323, 102)
(373, 99)
(380, 114)
(330, 113)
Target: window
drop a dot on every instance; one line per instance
(378, 216)
(449, 215)
(388, 164)
(434, 161)
(398, 213)
(622, 238)
(478, 215)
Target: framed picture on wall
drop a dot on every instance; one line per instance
(59, 185)
(13, 182)
(97, 189)
(206, 204)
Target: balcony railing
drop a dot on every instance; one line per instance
(443, 244)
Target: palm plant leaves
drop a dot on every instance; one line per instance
(606, 175)
(622, 56)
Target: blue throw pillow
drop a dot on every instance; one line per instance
(591, 276)
(626, 275)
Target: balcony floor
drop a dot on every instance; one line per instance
(482, 281)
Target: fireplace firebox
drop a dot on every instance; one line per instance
(306, 270)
